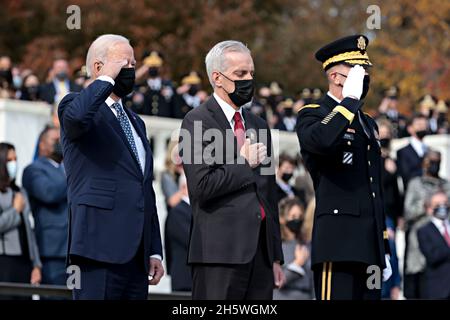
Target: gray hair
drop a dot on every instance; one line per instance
(215, 59)
(99, 49)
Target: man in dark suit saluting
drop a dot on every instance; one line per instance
(235, 247)
(114, 234)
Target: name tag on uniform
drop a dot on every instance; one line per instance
(347, 158)
(349, 136)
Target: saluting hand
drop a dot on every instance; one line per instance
(353, 85)
(111, 68)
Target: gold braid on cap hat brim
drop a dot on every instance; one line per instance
(350, 57)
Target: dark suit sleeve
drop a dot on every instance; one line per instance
(179, 226)
(77, 111)
(40, 186)
(209, 181)
(318, 133)
(434, 252)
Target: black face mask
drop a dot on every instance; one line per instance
(288, 112)
(433, 168)
(153, 72)
(6, 75)
(30, 93)
(385, 143)
(366, 83)
(61, 76)
(294, 225)
(286, 177)
(441, 212)
(57, 153)
(243, 91)
(421, 134)
(124, 82)
(193, 90)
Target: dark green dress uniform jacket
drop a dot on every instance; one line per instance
(344, 160)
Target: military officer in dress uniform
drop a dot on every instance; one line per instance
(154, 96)
(340, 146)
(187, 97)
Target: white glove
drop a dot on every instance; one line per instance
(387, 272)
(353, 85)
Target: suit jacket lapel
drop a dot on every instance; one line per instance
(218, 114)
(114, 123)
(224, 125)
(144, 139)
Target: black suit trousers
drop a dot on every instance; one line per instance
(250, 281)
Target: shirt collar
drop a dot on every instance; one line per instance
(110, 101)
(227, 109)
(418, 146)
(53, 162)
(440, 224)
(333, 97)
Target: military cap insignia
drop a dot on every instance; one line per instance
(361, 43)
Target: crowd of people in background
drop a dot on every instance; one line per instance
(416, 197)
(155, 94)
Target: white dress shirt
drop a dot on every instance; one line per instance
(137, 139)
(229, 111)
(333, 97)
(418, 146)
(440, 225)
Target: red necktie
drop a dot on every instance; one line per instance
(446, 235)
(239, 132)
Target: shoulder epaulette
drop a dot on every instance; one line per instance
(312, 105)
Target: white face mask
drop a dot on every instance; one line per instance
(11, 167)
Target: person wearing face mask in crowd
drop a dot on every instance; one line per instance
(339, 144)
(19, 255)
(59, 85)
(45, 182)
(6, 78)
(187, 97)
(285, 172)
(30, 88)
(419, 191)
(393, 204)
(388, 110)
(438, 120)
(299, 277)
(434, 242)
(114, 234)
(235, 245)
(154, 96)
(287, 116)
(393, 198)
(409, 158)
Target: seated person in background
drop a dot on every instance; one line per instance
(178, 227)
(299, 278)
(434, 242)
(286, 168)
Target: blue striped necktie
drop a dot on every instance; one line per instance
(126, 127)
